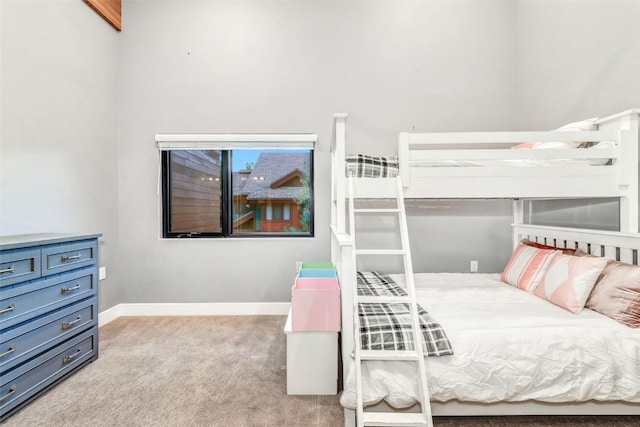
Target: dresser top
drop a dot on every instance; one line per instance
(22, 240)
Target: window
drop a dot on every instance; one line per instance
(237, 188)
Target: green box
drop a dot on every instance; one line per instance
(318, 265)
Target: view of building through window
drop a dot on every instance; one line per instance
(265, 192)
(272, 193)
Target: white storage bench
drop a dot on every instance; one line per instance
(312, 361)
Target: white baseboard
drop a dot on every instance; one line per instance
(194, 309)
(109, 315)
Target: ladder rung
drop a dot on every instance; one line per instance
(394, 419)
(368, 299)
(381, 252)
(406, 355)
(387, 210)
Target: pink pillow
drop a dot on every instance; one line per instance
(569, 280)
(527, 266)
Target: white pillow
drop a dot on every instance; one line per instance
(582, 125)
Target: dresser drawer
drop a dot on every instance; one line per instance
(19, 266)
(25, 341)
(68, 256)
(24, 381)
(22, 303)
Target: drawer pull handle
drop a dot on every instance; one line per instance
(9, 269)
(66, 258)
(11, 307)
(65, 290)
(69, 358)
(8, 395)
(67, 325)
(9, 351)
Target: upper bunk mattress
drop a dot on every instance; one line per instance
(508, 346)
(365, 166)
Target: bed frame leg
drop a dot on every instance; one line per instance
(349, 418)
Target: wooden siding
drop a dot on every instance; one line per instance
(110, 10)
(195, 191)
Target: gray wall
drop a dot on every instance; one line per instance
(58, 152)
(445, 235)
(287, 66)
(576, 60)
(70, 82)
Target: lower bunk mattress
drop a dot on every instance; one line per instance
(508, 346)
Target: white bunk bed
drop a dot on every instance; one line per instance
(492, 171)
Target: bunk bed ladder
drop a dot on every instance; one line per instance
(369, 418)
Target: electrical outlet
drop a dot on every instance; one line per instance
(473, 266)
(102, 273)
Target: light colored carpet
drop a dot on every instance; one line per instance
(183, 371)
(209, 371)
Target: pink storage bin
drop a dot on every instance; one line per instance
(315, 305)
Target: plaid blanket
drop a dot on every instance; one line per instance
(385, 326)
(363, 166)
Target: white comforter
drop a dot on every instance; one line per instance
(508, 346)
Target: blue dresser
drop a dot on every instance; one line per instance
(48, 312)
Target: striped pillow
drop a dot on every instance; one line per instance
(527, 267)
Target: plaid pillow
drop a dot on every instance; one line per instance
(362, 166)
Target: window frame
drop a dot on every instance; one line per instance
(169, 143)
